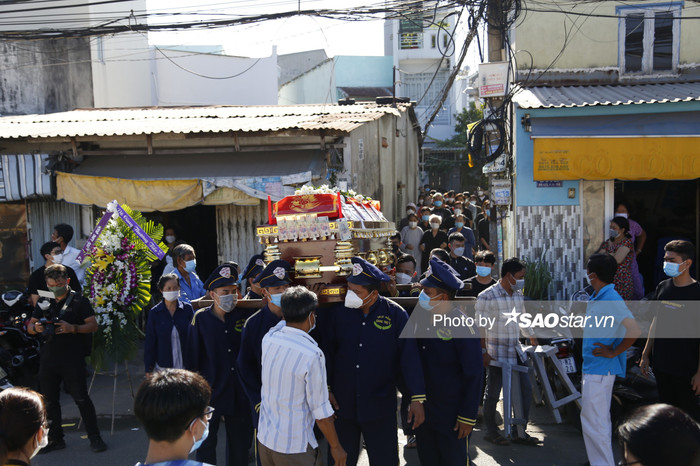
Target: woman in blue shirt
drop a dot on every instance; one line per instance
(191, 287)
(166, 329)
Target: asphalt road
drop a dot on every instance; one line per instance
(563, 444)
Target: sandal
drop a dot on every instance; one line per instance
(529, 440)
(497, 439)
(411, 441)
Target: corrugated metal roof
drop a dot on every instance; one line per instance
(588, 96)
(154, 120)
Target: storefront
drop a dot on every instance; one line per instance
(581, 149)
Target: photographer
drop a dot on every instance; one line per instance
(65, 325)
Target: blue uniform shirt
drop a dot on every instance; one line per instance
(158, 348)
(249, 362)
(365, 358)
(193, 291)
(607, 302)
(453, 369)
(212, 351)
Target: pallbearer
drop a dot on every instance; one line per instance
(273, 280)
(452, 365)
(254, 267)
(365, 358)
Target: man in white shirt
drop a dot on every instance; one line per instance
(62, 234)
(294, 389)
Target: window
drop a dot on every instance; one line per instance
(649, 38)
(432, 41)
(411, 40)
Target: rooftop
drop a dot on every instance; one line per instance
(624, 94)
(205, 119)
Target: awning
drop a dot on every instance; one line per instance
(24, 176)
(143, 195)
(624, 158)
(173, 182)
(665, 146)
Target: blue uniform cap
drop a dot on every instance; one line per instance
(364, 273)
(224, 275)
(442, 275)
(275, 274)
(254, 267)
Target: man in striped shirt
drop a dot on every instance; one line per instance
(294, 389)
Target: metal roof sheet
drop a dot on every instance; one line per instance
(623, 94)
(154, 120)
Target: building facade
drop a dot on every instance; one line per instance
(607, 113)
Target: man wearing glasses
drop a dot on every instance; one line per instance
(173, 406)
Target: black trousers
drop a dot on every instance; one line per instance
(677, 391)
(381, 441)
(72, 373)
(441, 448)
(239, 438)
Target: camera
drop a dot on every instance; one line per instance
(49, 323)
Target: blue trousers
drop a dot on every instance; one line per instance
(381, 440)
(239, 435)
(441, 447)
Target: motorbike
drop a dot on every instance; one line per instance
(19, 352)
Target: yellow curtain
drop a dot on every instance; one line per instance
(230, 196)
(143, 195)
(630, 158)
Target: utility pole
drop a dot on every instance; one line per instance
(497, 14)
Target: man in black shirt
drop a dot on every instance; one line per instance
(464, 266)
(52, 254)
(676, 361)
(444, 212)
(483, 226)
(63, 356)
(484, 261)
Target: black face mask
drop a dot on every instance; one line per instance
(395, 248)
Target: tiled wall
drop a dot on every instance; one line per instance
(556, 229)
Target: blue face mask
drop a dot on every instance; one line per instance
(425, 218)
(483, 271)
(276, 299)
(672, 269)
(459, 224)
(424, 301)
(198, 443)
(437, 203)
(191, 266)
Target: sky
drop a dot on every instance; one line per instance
(291, 35)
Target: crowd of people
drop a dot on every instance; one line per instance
(283, 376)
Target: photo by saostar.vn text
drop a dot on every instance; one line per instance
(549, 318)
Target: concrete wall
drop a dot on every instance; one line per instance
(292, 65)
(45, 76)
(253, 81)
(583, 41)
(360, 71)
(316, 86)
(379, 172)
(122, 71)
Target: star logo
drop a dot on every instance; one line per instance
(512, 316)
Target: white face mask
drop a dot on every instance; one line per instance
(413, 224)
(435, 226)
(621, 214)
(57, 259)
(410, 211)
(42, 444)
(458, 211)
(403, 278)
(353, 301)
(171, 295)
(170, 238)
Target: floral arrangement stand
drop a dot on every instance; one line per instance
(119, 253)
